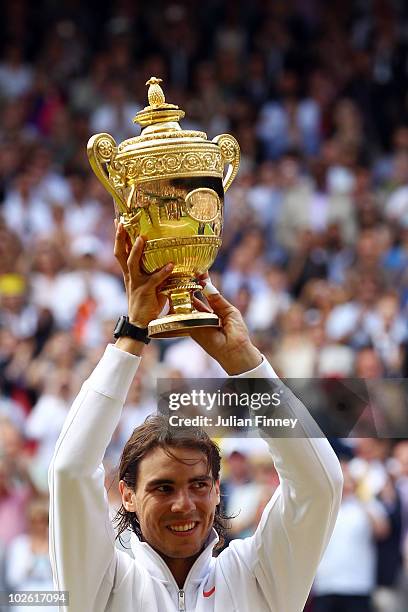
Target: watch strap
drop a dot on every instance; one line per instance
(125, 328)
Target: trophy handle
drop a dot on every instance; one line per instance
(101, 150)
(230, 154)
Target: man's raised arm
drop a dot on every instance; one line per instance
(296, 525)
(83, 556)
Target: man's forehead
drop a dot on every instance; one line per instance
(173, 460)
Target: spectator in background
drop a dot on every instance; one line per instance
(242, 495)
(266, 306)
(308, 261)
(296, 354)
(387, 331)
(27, 561)
(346, 576)
(348, 322)
(389, 554)
(11, 251)
(396, 207)
(246, 264)
(367, 468)
(17, 312)
(85, 211)
(288, 122)
(116, 112)
(15, 77)
(14, 497)
(400, 473)
(265, 197)
(339, 255)
(400, 454)
(45, 421)
(48, 263)
(297, 189)
(25, 212)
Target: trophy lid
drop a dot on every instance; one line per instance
(159, 122)
(158, 110)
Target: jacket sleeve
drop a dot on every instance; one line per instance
(297, 523)
(83, 555)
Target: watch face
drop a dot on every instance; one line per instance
(119, 326)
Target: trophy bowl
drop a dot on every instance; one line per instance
(168, 186)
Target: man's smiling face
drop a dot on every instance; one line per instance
(175, 501)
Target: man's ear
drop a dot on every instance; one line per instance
(128, 497)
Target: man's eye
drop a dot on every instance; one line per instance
(200, 484)
(163, 489)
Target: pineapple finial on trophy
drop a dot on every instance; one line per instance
(155, 93)
(158, 111)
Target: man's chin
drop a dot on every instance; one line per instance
(182, 554)
(181, 549)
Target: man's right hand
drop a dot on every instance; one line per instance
(145, 302)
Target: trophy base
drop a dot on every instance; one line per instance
(177, 325)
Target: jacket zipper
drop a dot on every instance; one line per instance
(180, 592)
(181, 600)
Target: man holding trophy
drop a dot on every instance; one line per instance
(168, 190)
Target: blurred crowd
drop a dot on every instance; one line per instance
(314, 253)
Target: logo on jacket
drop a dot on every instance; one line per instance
(209, 593)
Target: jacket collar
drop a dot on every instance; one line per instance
(158, 568)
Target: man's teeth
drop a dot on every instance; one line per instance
(185, 527)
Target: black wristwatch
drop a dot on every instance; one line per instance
(124, 328)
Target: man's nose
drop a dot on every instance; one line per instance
(183, 502)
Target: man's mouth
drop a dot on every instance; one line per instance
(183, 528)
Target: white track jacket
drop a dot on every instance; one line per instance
(272, 570)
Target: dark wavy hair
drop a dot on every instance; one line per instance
(156, 432)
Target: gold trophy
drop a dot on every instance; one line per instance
(168, 185)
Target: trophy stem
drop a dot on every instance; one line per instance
(182, 316)
(179, 289)
(180, 301)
